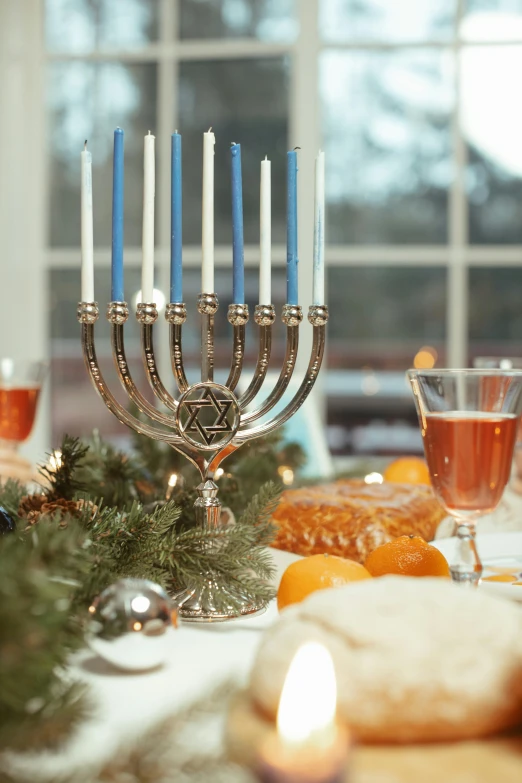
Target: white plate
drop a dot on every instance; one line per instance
(499, 552)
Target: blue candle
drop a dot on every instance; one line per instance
(291, 228)
(238, 261)
(117, 219)
(176, 285)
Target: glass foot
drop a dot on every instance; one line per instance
(468, 568)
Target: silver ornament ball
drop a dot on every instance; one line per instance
(131, 623)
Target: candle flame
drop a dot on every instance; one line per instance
(173, 480)
(307, 707)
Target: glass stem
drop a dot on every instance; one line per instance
(468, 568)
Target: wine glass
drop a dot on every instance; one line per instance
(507, 363)
(469, 421)
(20, 384)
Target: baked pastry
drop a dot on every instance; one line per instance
(351, 518)
(416, 660)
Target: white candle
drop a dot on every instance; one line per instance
(310, 745)
(147, 268)
(318, 281)
(207, 272)
(87, 292)
(265, 240)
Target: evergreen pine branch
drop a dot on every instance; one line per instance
(37, 635)
(11, 494)
(61, 481)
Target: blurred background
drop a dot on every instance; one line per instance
(415, 103)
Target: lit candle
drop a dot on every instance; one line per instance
(147, 241)
(87, 292)
(318, 281)
(265, 240)
(176, 289)
(309, 746)
(291, 228)
(207, 272)
(238, 260)
(117, 218)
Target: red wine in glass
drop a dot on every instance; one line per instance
(17, 411)
(469, 457)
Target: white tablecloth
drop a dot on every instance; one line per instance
(202, 657)
(126, 704)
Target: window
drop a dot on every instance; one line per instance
(413, 103)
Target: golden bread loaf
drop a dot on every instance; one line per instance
(351, 518)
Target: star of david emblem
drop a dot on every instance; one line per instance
(205, 412)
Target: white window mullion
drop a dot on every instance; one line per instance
(166, 114)
(457, 282)
(305, 132)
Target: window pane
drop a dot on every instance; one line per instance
(245, 101)
(492, 126)
(382, 20)
(492, 20)
(87, 101)
(77, 409)
(386, 127)
(495, 315)
(381, 316)
(86, 25)
(267, 20)
(382, 320)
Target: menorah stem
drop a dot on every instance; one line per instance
(176, 315)
(238, 317)
(207, 307)
(207, 506)
(264, 316)
(292, 317)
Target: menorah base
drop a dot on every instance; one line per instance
(198, 606)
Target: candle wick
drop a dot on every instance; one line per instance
(176, 130)
(297, 148)
(266, 157)
(233, 143)
(85, 145)
(149, 133)
(210, 129)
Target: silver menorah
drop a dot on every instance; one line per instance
(208, 421)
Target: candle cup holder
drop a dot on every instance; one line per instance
(208, 421)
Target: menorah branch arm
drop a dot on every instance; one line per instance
(147, 315)
(238, 317)
(318, 316)
(264, 316)
(87, 315)
(176, 315)
(292, 317)
(117, 315)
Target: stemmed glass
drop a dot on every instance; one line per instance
(20, 384)
(468, 420)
